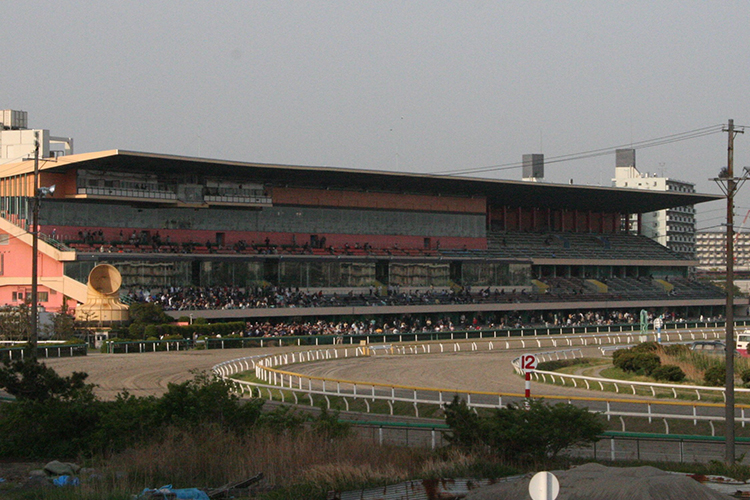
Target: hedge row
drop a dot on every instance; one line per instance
(644, 360)
(187, 331)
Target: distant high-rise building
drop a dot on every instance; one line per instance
(18, 142)
(674, 227)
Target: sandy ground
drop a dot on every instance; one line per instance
(149, 373)
(142, 374)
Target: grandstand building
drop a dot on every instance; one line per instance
(170, 221)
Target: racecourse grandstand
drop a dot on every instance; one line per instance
(341, 242)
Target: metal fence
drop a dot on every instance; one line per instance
(525, 335)
(612, 446)
(53, 351)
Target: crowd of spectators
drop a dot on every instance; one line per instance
(413, 324)
(222, 297)
(227, 297)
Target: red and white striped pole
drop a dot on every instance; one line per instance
(528, 363)
(528, 384)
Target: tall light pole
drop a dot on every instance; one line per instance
(730, 185)
(37, 193)
(34, 333)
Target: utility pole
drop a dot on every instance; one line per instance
(732, 186)
(34, 333)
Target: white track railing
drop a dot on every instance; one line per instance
(295, 386)
(598, 383)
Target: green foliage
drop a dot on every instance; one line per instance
(556, 364)
(148, 313)
(63, 323)
(668, 373)
(60, 416)
(50, 428)
(203, 329)
(745, 376)
(150, 332)
(207, 399)
(29, 380)
(464, 423)
(646, 347)
(327, 424)
(676, 349)
(527, 433)
(715, 375)
(135, 331)
(14, 322)
(281, 420)
(642, 363)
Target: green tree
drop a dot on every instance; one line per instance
(27, 379)
(715, 375)
(15, 322)
(530, 431)
(465, 424)
(63, 323)
(208, 399)
(148, 313)
(143, 314)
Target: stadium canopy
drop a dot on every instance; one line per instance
(497, 192)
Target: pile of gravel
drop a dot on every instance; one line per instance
(598, 482)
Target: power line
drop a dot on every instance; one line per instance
(659, 141)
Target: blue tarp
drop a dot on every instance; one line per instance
(182, 493)
(66, 481)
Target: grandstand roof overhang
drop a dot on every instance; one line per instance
(497, 192)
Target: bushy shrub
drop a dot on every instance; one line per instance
(56, 416)
(641, 363)
(676, 349)
(745, 376)
(668, 373)
(530, 432)
(646, 347)
(715, 375)
(150, 332)
(556, 364)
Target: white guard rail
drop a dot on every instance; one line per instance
(286, 384)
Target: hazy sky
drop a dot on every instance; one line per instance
(390, 85)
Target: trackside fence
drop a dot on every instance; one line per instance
(44, 351)
(683, 331)
(274, 382)
(612, 445)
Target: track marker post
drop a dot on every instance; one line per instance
(528, 364)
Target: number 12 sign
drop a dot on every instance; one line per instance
(528, 362)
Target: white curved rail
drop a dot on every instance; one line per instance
(286, 384)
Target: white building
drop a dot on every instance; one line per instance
(17, 141)
(674, 227)
(711, 250)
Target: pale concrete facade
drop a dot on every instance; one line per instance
(673, 227)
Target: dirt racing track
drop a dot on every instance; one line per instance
(144, 374)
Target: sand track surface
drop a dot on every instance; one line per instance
(142, 374)
(477, 371)
(145, 374)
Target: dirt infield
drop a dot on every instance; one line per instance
(477, 371)
(149, 373)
